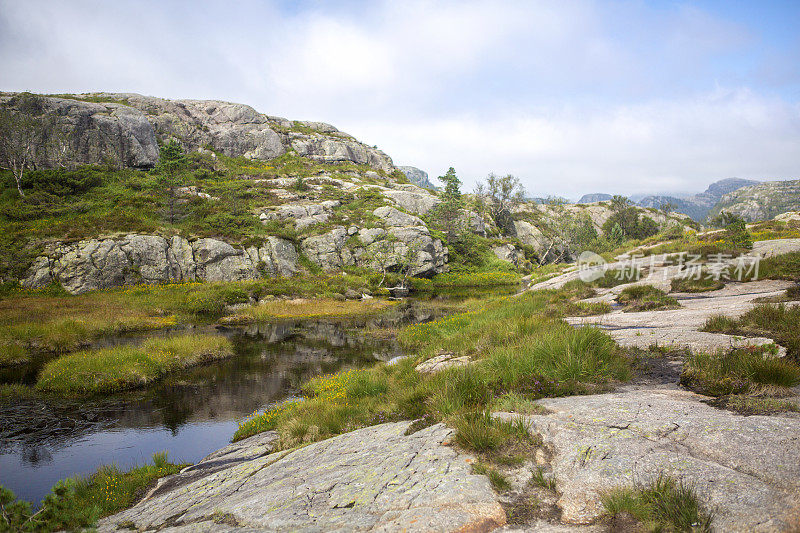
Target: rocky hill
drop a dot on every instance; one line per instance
(257, 196)
(417, 177)
(762, 201)
(697, 206)
(125, 129)
(594, 197)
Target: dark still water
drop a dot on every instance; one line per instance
(189, 414)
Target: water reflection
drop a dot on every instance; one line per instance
(190, 413)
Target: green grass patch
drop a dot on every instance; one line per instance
(661, 505)
(690, 284)
(645, 298)
(778, 322)
(785, 266)
(126, 367)
(756, 405)
(77, 503)
(739, 371)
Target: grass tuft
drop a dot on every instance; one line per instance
(663, 504)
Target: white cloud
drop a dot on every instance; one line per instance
(572, 96)
(660, 146)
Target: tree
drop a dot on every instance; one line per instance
(20, 136)
(627, 217)
(171, 161)
(498, 196)
(449, 213)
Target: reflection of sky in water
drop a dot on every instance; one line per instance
(126, 448)
(189, 414)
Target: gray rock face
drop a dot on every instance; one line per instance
(304, 215)
(339, 248)
(595, 197)
(373, 479)
(394, 218)
(417, 177)
(745, 468)
(96, 133)
(133, 259)
(123, 129)
(679, 328)
(412, 198)
(333, 150)
(508, 253)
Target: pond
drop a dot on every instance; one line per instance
(188, 414)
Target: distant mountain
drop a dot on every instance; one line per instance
(417, 177)
(699, 205)
(595, 197)
(762, 201)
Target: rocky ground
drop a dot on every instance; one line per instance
(374, 479)
(743, 468)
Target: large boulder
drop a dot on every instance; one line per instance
(413, 199)
(395, 218)
(132, 259)
(417, 176)
(374, 479)
(327, 149)
(743, 468)
(328, 250)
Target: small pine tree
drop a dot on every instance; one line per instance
(171, 161)
(449, 211)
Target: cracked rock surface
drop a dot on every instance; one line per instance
(679, 328)
(745, 468)
(372, 479)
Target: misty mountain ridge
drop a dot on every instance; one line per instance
(696, 206)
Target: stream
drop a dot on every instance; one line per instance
(188, 414)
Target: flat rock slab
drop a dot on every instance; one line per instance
(744, 468)
(678, 328)
(372, 479)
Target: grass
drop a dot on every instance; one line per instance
(757, 405)
(785, 266)
(52, 321)
(521, 354)
(127, 367)
(778, 322)
(645, 298)
(740, 371)
(317, 308)
(77, 503)
(664, 504)
(514, 402)
(703, 284)
(614, 277)
(498, 480)
(465, 280)
(540, 479)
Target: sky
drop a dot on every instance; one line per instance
(572, 97)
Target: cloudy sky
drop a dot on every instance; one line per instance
(571, 96)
